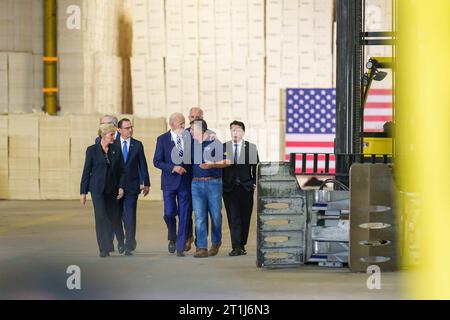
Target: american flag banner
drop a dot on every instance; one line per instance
(378, 110)
(311, 122)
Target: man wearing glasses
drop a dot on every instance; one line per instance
(137, 180)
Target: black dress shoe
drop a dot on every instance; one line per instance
(171, 247)
(180, 253)
(235, 252)
(128, 253)
(121, 249)
(104, 254)
(243, 252)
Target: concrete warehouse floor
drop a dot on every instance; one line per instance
(40, 239)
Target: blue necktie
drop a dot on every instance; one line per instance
(179, 147)
(236, 153)
(125, 151)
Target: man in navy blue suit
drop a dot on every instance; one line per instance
(172, 156)
(137, 180)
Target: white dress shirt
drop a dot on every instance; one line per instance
(238, 148)
(174, 138)
(128, 143)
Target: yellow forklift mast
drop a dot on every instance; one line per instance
(382, 142)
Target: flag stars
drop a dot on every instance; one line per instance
(310, 111)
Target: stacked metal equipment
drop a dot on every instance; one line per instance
(281, 217)
(328, 227)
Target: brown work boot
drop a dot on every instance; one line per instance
(201, 253)
(189, 241)
(214, 249)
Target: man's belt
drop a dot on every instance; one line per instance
(205, 178)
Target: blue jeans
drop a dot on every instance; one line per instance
(207, 196)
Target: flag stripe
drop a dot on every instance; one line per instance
(379, 99)
(377, 118)
(380, 92)
(310, 122)
(310, 144)
(378, 105)
(321, 157)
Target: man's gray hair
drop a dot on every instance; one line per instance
(194, 108)
(175, 116)
(111, 119)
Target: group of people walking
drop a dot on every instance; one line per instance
(197, 171)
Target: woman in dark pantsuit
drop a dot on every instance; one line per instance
(103, 176)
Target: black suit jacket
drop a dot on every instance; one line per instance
(244, 171)
(136, 170)
(95, 167)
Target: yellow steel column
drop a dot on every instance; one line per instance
(423, 136)
(50, 58)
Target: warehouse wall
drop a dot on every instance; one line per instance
(94, 75)
(21, 74)
(231, 57)
(42, 157)
(91, 68)
(234, 58)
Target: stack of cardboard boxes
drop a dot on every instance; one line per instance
(21, 66)
(147, 61)
(3, 82)
(4, 165)
(83, 131)
(90, 70)
(23, 133)
(54, 157)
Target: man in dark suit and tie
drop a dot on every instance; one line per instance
(173, 157)
(239, 182)
(137, 180)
